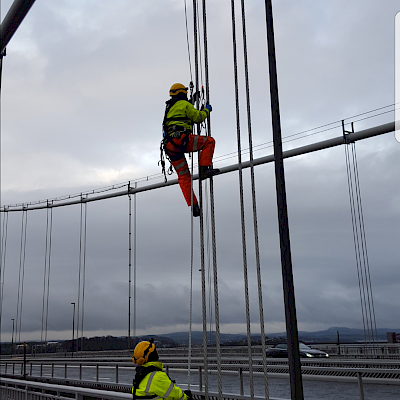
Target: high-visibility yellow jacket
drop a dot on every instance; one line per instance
(186, 115)
(157, 385)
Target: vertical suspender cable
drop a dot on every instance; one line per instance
(242, 216)
(79, 276)
(48, 270)
(187, 41)
(253, 192)
(212, 212)
(46, 278)
(356, 244)
(82, 265)
(360, 246)
(83, 275)
(364, 252)
(3, 262)
(21, 273)
(203, 279)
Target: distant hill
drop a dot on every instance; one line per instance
(197, 337)
(346, 335)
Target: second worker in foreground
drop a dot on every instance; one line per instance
(150, 381)
(180, 115)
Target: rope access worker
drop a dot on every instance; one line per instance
(180, 115)
(150, 381)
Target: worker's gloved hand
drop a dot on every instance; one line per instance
(188, 394)
(208, 107)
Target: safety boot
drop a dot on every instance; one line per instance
(196, 210)
(207, 172)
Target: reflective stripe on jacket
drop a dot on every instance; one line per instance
(158, 385)
(184, 109)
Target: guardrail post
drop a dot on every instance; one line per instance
(52, 370)
(30, 369)
(13, 368)
(97, 372)
(65, 371)
(22, 369)
(80, 372)
(241, 381)
(360, 385)
(41, 369)
(116, 374)
(5, 371)
(200, 379)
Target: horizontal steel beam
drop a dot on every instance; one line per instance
(12, 21)
(349, 138)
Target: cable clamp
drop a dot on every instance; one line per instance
(346, 133)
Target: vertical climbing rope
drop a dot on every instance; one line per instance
(191, 275)
(254, 203)
(134, 260)
(242, 216)
(129, 264)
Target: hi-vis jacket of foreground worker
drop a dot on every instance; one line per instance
(157, 385)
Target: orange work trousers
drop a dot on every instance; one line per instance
(176, 148)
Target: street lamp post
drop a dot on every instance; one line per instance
(73, 330)
(12, 338)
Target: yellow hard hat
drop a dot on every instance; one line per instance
(142, 352)
(177, 88)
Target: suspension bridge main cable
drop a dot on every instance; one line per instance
(310, 148)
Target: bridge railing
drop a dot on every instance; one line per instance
(17, 389)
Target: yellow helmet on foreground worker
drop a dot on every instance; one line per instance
(177, 88)
(142, 352)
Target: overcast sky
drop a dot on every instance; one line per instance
(83, 95)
